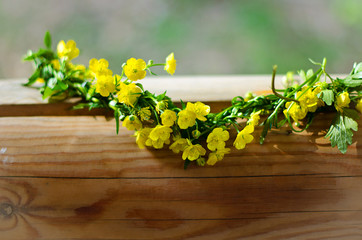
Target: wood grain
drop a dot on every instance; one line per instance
(16, 100)
(284, 207)
(72, 177)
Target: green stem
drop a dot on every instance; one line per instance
(156, 64)
(273, 87)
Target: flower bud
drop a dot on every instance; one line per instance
(196, 134)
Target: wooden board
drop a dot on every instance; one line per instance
(72, 177)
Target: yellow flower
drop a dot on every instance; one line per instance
(145, 113)
(67, 50)
(168, 118)
(159, 136)
(342, 101)
(56, 64)
(296, 111)
(200, 109)
(129, 94)
(193, 152)
(244, 137)
(132, 123)
(170, 66)
(217, 138)
(254, 118)
(214, 157)
(135, 69)
(186, 119)
(105, 85)
(359, 105)
(99, 67)
(179, 145)
(309, 99)
(142, 136)
(40, 80)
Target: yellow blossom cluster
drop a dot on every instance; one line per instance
(105, 81)
(216, 143)
(308, 101)
(187, 117)
(67, 50)
(191, 130)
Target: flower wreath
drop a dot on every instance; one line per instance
(191, 129)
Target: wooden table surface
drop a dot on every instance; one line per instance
(67, 175)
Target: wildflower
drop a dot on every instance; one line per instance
(196, 134)
(342, 101)
(129, 94)
(170, 66)
(186, 119)
(309, 99)
(244, 137)
(214, 157)
(142, 136)
(254, 118)
(40, 80)
(359, 105)
(200, 109)
(179, 145)
(159, 136)
(200, 161)
(56, 64)
(168, 118)
(145, 113)
(105, 85)
(296, 111)
(160, 106)
(217, 138)
(132, 123)
(67, 50)
(135, 69)
(193, 152)
(99, 67)
(249, 95)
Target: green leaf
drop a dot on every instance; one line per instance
(328, 96)
(183, 105)
(62, 85)
(33, 78)
(52, 82)
(354, 80)
(47, 92)
(186, 163)
(140, 86)
(47, 40)
(29, 56)
(350, 118)
(340, 133)
(161, 96)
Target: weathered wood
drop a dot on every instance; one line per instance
(213, 208)
(16, 100)
(74, 178)
(89, 147)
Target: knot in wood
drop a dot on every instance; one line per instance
(6, 209)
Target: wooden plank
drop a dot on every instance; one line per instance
(284, 207)
(74, 178)
(89, 147)
(16, 100)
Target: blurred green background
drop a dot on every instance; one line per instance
(207, 36)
